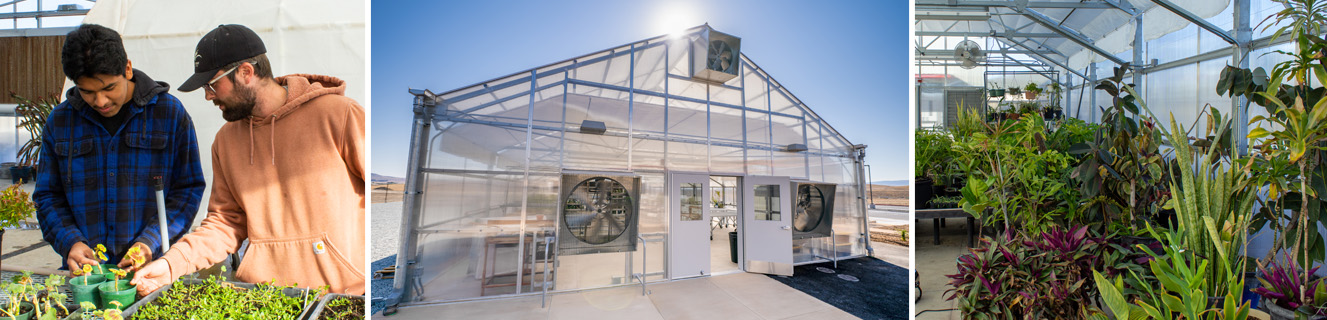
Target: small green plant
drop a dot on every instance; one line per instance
(214, 298)
(42, 300)
(90, 312)
(717, 199)
(1032, 87)
(343, 308)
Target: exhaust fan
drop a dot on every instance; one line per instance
(716, 56)
(969, 53)
(599, 214)
(814, 215)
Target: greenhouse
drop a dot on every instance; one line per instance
(662, 159)
(1141, 159)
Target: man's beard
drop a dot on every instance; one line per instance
(241, 107)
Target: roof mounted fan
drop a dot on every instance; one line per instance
(969, 53)
(720, 56)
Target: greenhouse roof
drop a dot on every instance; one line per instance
(1075, 32)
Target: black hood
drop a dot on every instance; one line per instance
(144, 90)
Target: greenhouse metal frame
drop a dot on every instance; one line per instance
(489, 165)
(1084, 40)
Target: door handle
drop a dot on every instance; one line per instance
(786, 228)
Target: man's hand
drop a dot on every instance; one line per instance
(152, 276)
(138, 255)
(80, 254)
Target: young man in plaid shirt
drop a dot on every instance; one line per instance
(102, 148)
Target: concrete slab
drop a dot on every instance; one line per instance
(934, 262)
(729, 297)
(699, 299)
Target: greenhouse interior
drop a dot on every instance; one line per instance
(1121, 158)
(667, 158)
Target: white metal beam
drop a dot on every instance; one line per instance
(1070, 34)
(1196, 20)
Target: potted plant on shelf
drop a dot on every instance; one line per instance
(32, 118)
(995, 91)
(1018, 276)
(1031, 90)
(15, 206)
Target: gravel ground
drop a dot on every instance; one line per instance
(386, 230)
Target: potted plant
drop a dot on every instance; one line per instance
(15, 206)
(994, 91)
(85, 287)
(1015, 91)
(32, 116)
(1031, 90)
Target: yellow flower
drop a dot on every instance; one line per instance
(87, 269)
(101, 248)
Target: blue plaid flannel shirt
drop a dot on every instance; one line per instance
(96, 187)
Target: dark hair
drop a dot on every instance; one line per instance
(261, 67)
(91, 50)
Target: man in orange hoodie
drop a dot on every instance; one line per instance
(287, 174)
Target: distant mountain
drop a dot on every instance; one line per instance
(889, 182)
(378, 178)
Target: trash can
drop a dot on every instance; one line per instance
(732, 245)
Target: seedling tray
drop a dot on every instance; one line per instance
(290, 292)
(322, 304)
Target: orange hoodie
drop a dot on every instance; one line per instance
(291, 182)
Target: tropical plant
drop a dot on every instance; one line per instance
(1012, 276)
(932, 148)
(1122, 175)
(32, 116)
(1022, 181)
(1282, 285)
(1184, 291)
(1032, 87)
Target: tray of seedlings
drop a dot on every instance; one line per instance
(338, 306)
(27, 296)
(215, 298)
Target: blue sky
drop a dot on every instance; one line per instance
(847, 60)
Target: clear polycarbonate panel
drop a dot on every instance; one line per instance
(1209, 72)
(472, 146)
(595, 152)
(729, 94)
(687, 119)
(781, 103)
(592, 67)
(757, 128)
(726, 124)
(1208, 41)
(930, 105)
(1178, 97)
(546, 150)
(498, 98)
(597, 104)
(648, 123)
(619, 68)
(1177, 45)
(464, 214)
(650, 67)
(787, 130)
(679, 55)
(687, 156)
(814, 165)
(653, 227)
(687, 88)
(548, 109)
(727, 159)
(1264, 8)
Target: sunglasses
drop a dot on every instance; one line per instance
(208, 86)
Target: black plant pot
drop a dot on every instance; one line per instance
(18, 173)
(923, 187)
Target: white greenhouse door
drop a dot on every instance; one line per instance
(689, 226)
(767, 216)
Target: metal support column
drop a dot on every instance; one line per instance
(1239, 56)
(425, 102)
(1091, 92)
(1138, 46)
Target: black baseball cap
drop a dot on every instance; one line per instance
(224, 45)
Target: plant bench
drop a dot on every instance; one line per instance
(938, 214)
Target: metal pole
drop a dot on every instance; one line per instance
(1241, 48)
(870, 185)
(424, 105)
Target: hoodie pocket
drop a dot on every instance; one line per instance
(309, 261)
(74, 157)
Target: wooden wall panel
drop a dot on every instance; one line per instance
(30, 67)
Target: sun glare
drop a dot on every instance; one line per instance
(675, 18)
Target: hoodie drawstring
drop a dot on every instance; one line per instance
(251, 140)
(273, 141)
